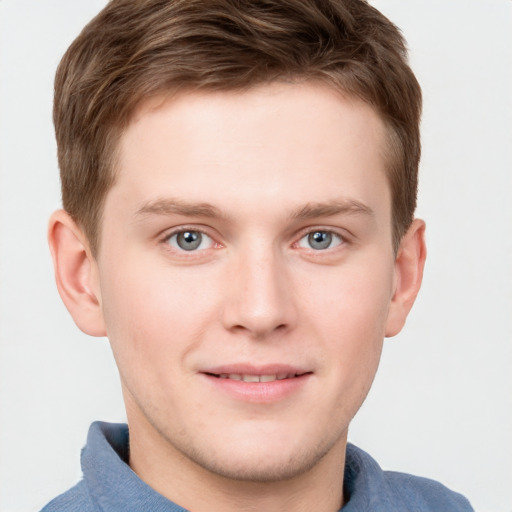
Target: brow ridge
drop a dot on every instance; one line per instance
(332, 208)
(310, 210)
(178, 207)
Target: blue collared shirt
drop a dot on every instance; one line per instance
(109, 485)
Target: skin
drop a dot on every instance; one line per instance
(256, 173)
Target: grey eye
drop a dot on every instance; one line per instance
(319, 240)
(190, 240)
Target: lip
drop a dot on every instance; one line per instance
(258, 392)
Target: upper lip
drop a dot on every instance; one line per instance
(251, 369)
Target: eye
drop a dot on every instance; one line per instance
(320, 240)
(190, 240)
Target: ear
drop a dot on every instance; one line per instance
(76, 273)
(409, 264)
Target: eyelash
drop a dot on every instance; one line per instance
(342, 240)
(166, 240)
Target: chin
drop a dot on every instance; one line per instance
(260, 461)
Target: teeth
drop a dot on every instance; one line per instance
(257, 378)
(251, 378)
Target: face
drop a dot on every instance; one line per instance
(245, 274)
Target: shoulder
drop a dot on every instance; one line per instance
(75, 499)
(368, 487)
(423, 494)
(101, 461)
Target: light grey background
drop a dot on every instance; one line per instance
(441, 403)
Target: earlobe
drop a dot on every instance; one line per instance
(76, 273)
(409, 264)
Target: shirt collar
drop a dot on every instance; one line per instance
(114, 487)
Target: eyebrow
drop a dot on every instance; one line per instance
(308, 211)
(332, 208)
(178, 207)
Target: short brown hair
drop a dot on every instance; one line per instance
(135, 49)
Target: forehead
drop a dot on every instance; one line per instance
(278, 143)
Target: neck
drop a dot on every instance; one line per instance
(193, 487)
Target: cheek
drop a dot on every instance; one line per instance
(351, 313)
(153, 316)
(355, 297)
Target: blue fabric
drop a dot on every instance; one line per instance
(109, 485)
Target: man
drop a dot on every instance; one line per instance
(239, 184)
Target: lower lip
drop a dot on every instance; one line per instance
(259, 392)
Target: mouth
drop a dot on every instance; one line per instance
(245, 377)
(263, 384)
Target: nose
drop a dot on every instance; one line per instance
(259, 296)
